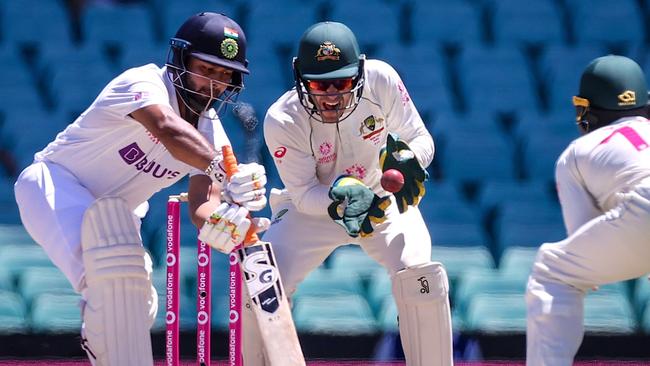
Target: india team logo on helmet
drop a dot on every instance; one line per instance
(229, 48)
(328, 51)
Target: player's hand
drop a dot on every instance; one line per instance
(246, 187)
(362, 206)
(227, 226)
(397, 155)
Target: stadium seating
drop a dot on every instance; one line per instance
(34, 281)
(503, 313)
(13, 313)
(442, 22)
(492, 79)
(534, 23)
(336, 314)
(56, 313)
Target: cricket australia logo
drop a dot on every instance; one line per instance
(328, 51)
(371, 128)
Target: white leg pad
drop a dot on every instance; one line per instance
(119, 299)
(421, 295)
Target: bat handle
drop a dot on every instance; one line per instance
(230, 164)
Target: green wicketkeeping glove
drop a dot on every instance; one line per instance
(362, 206)
(397, 155)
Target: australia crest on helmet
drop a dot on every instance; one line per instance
(328, 51)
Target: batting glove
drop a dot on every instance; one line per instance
(362, 206)
(246, 187)
(397, 155)
(227, 226)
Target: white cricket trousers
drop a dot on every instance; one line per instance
(302, 242)
(610, 248)
(52, 203)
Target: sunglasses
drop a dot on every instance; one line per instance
(582, 107)
(323, 85)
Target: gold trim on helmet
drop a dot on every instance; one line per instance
(582, 106)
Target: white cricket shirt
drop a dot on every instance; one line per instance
(595, 167)
(310, 154)
(112, 154)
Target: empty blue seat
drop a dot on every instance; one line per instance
(540, 152)
(496, 313)
(13, 313)
(266, 23)
(20, 17)
(537, 22)
(525, 224)
(34, 281)
(423, 72)
(608, 313)
(449, 211)
(517, 261)
(492, 193)
(484, 85)
(455, 22)
(340, 314)
(459, 260)
(485, 281)
(362, 17)
(559, 123)
(641, 294)
(379, 289)
(623, 24)
(562, 67)
(28, 135)
(457, 234)
(56, 313)
(352, 259)
(329, 282)
(471, 157)
(172, 13)
(144, 54)
(127, 25)
(14, 234)
(16, 258)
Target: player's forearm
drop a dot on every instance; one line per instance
(181, 139)
(423, 148)
(186, 144)
(313, 201)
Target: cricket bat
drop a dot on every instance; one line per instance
(269, 302)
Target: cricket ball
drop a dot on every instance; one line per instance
(392, 180)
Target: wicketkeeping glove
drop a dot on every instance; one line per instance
(362, 206)
(397, 155)
(246, 187)
(227, 227)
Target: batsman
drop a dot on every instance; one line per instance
(84, 195)
(347, 120)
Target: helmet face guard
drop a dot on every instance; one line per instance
(198, 102)
(307, 96)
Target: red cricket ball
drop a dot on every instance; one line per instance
(392, 180)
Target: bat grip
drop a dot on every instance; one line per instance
(230, 164)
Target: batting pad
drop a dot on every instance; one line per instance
(119, 299)
(421, 294)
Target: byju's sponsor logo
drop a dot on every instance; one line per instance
(132, 154)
